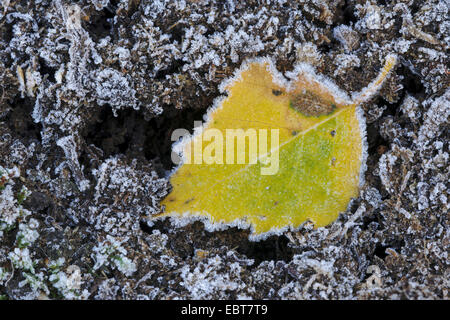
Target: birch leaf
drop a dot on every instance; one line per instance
(312, 173)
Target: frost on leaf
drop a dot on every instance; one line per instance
(320, 154)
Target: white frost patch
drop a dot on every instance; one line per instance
(111, 253)
(373, 17)
(346, 36)
(209, 279)
(27, 233)
(385, 166)
(437, 115)
(346, 61)
(68, 282)
(69, 147)
(124, 193)
(21, 259)
(11, 209)
(113, 88)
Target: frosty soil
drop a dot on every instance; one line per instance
(85, 149)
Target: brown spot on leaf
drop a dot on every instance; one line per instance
(312, 105)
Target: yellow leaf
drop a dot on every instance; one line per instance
(312, 165)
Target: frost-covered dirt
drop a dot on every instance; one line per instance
(90, 92)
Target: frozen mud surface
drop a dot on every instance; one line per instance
(90, 92)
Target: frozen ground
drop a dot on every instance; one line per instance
(91, 90)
